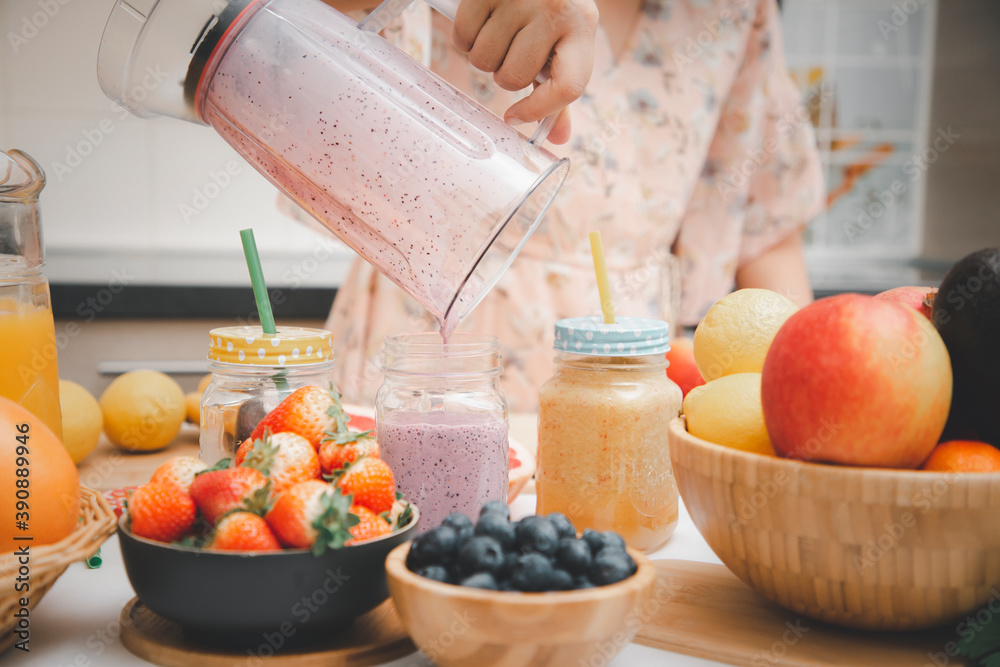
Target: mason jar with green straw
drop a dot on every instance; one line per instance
(254, 368)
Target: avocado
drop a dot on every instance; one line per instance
(967, 315)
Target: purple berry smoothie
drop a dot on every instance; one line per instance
(408, 172)
(446, 462)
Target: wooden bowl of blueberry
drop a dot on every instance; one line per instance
(532, 592)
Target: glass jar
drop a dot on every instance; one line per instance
(252, 373)
(29, 367)
(442, 422)
(603, 458)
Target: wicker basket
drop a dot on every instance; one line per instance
(51, 560)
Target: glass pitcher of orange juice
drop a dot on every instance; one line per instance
(29, 370)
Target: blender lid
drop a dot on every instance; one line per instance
(153, 52)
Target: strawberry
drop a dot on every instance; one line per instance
(308, 411)
(179, 471)
(286, 459)
(369, 526)
(242, 531)
(341, 449)
(401, 513)
(161, 512)
(219, 491)
(312, 514)
(370, 481)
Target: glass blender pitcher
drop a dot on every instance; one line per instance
(29, 370)
(434, 190)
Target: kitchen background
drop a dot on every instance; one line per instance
(141, 217)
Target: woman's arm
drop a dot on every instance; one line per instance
(782, 269)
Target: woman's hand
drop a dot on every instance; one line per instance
(515, 39)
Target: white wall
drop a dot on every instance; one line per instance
(117, 184)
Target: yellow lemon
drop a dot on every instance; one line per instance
(203, 384)
(143, 410)
(727, 412)
(82, 420)
(737, 331)
(192, 407)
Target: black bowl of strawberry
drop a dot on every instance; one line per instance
(294, 592)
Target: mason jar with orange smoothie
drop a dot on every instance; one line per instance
(603, 458)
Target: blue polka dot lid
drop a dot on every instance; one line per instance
(627, 337)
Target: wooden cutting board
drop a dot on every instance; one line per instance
(375, 638)
(704, 610)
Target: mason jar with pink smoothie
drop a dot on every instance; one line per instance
(442, 422)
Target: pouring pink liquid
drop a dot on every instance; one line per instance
(438, 193)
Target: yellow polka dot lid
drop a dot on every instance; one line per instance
(291, 346)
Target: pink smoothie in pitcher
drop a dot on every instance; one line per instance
(446, 462)
(407, 171)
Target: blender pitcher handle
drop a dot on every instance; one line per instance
(382, 16)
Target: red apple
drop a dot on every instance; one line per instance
(912, 296)
(856, 380)
(682, 369)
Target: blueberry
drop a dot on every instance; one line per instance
(613, 540)
(464, 535)
(482, 580)
(493, 525)
(562, 525)
(481, 554)
(511, 559)
(497, 506)
(609, 566)
(562, 580)
(435, 572)
(573, 555)
(583, 582)
(594, 539)
(435, 547)
(537, 534)
(533, 573)
(457, 522)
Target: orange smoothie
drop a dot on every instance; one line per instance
(30, 374)
(603, 459)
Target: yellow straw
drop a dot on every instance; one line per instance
(601, 269)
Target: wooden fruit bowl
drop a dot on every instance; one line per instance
(858, 547)
(456, 626)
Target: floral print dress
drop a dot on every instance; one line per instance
(691, 154)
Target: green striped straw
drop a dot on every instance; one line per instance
(257, 280)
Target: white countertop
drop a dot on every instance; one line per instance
(76, 624)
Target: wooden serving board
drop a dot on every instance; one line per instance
(704, 610)
(375, 638)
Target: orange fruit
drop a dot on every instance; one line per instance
(963, 456)
(36, 471)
